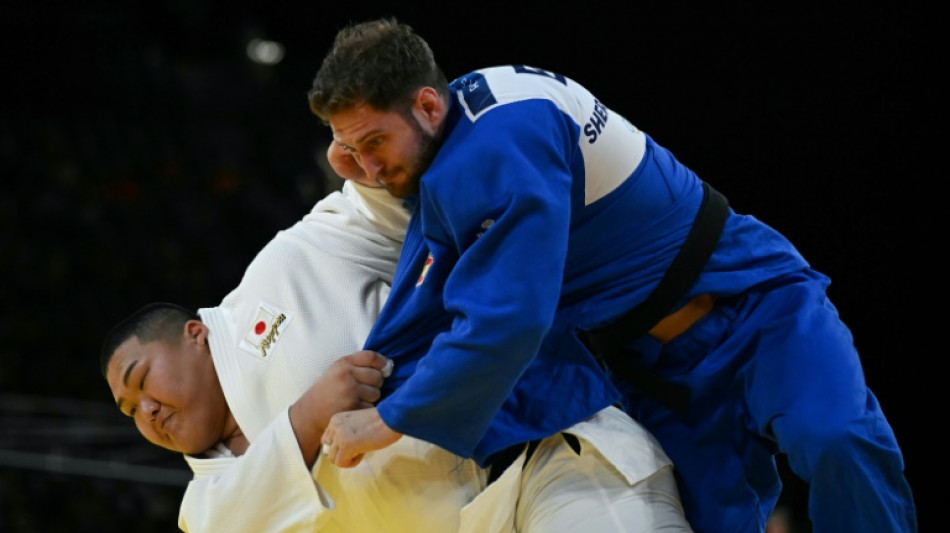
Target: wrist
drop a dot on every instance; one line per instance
(308, 434)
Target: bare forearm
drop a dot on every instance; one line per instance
(352, 382)
(307, 429)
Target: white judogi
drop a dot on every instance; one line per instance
(311, 296)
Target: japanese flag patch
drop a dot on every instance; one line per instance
(263, 334)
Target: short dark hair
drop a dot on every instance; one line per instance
(155, 321)
(379, 62)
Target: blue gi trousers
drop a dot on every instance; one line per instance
(774, 370)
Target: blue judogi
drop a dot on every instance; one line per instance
(545, 213)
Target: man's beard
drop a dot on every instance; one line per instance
(428, 148)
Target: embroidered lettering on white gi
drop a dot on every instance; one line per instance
(597, 122)
(272, 334)
(268, 324)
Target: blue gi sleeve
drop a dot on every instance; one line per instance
(495, 213)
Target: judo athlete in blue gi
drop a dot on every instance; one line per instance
(543, 225)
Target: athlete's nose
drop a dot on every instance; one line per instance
(372, 165)
(149, 408)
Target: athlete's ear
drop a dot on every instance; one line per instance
(429, 109)
(197, 331)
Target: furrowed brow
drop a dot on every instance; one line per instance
(361, 140)
(368, 135)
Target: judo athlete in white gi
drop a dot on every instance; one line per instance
(267, 354)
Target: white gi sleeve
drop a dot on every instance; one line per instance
(268, 489)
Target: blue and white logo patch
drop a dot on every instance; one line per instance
(269, 323)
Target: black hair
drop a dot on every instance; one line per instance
(155, 321)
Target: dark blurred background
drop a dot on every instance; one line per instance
(146, 156)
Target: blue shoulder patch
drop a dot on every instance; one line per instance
(475, 91)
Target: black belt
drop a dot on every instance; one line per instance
(503, 459)
(610, 344)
